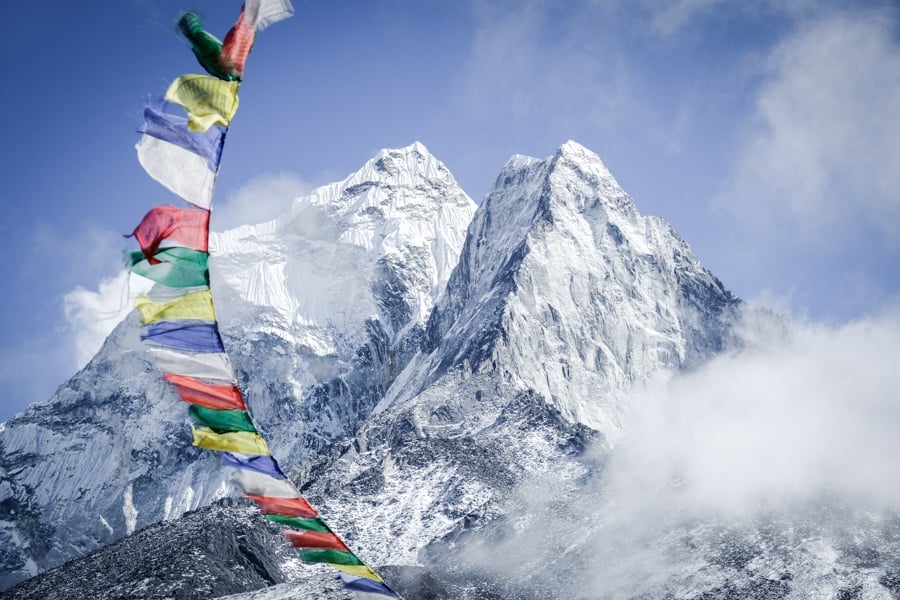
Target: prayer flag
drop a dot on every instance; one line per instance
(188, 227)
(261, 464)
(182, 172)
(201, 365)
(224, 60)
(240, 441)
(314, 524)
(236, 47)
(259, 484)
(184, 335)
(207, 47)
(196, 306)
(380, 595)
(221, 421)
(170, 127)
(359, 571)
(175, 267)
(315, 539)
(262, 13)
(367, 586)
(332, 557)
(194, 391)
(287, 507)
(209, 101)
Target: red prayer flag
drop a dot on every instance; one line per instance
(236, 47)
(208, 395)
(189, 227)
(286, 507)
(315, 539)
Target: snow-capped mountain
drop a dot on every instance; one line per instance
(338, 292)
(451, 390)
(564, 300)
(565, 290)
(320, 309)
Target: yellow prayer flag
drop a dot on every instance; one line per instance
(193, 305)
(208, 100)
(245, 442)
(359, 571)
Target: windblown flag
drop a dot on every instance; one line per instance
(175, 267)
(238, 441)
(208, 100)
(222, 421)
(366, 589)
(195, 336)
(199, 365)
(210, 395)
(253, 483)
(191, 306)
(184, 226)
(260, 464)
(262, 13)
(178, 317)
(223, 60)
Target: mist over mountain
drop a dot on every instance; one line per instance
(546, 397)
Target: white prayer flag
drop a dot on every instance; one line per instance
(181, 171)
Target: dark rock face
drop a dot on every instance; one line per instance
(221, 549)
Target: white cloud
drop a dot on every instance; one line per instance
(790, 441)
(92, 315)
(822, 157)
(789, 418)
(261, 199)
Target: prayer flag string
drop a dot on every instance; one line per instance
(182, 152)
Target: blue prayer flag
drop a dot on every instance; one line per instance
(196, 336)
(267, 465)
(173, 128)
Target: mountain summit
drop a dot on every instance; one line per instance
(411, 359)
(564, 289)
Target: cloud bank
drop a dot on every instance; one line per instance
(768, 471)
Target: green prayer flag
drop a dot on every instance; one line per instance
(176, 267)
(221, 421)
(333, 557)
(207, 47)
(315, 524)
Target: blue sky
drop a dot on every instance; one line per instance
(767, 134)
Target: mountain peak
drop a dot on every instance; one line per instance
(416, 147)
(573, 148)
(402, 166)
(587, 163)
